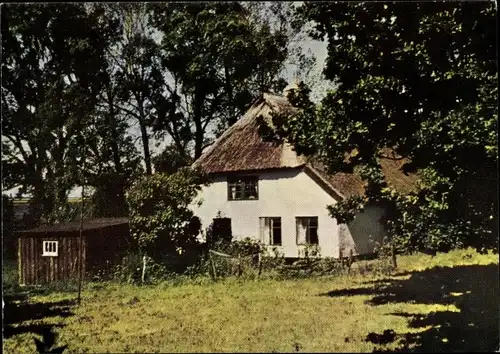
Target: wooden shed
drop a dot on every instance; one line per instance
(50, 253)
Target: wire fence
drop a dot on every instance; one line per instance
(223, 263)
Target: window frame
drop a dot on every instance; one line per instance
(50, 248)
(270, 236)
(298, 223)
(243, 182)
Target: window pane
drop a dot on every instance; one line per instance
(247, 192)
(313, 235)
(301, 231)
(250, 191)
(277, 236)
(49, 248)
(242, 188)
(231, 191)
(276, 231)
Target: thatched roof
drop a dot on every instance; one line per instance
(241, 148)
(350, 184)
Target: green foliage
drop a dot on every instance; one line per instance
(308, 267)
(244, 259)
(160, 217)
(223, 58)
(345, 210)
(53, 68)
(243, 248)
(423, 82)
(70, 93)
(8, 225)
(272, 259)
(451, 290)
(113, 162)
(68, 212)
(10, 277)
(131, 268)
(171, 160)
(219, 232)
(136, 81)
(310, 251)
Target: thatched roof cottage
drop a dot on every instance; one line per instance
(270, 193)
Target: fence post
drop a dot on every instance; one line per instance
(259, 265)
(350, 261)
(239, 266)
(143, 268)
(213, 266)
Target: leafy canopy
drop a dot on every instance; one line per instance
(421, 79)
(53, 68)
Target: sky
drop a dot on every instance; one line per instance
(317, 48)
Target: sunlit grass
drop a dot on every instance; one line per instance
(242, 316)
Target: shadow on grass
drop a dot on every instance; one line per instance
(474, 290)
(18, 310)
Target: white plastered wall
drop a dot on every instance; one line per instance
(286, 193)
(291, 193)
(363, 233)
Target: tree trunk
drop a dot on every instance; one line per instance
(145, 141)
(114, 141)
(393, 257)
(198, 134)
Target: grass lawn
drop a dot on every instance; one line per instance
(449, 302)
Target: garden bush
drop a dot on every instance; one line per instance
(160, 217)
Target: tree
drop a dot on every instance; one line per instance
(52, 70)
(421, 79)
(138, 70)
(113, 161)
(278, 16)
(217, 65)
(171, 160)
(8, 227)
(160, 217)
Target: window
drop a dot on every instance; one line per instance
(242, 188)
(307, 230)
(270, 231)
(50, 248)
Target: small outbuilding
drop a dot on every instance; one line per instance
(50, 253)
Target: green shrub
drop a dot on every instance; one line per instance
(10, 277)
(243, 260)
(131, 268)
(219, 231)
(160, 218)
